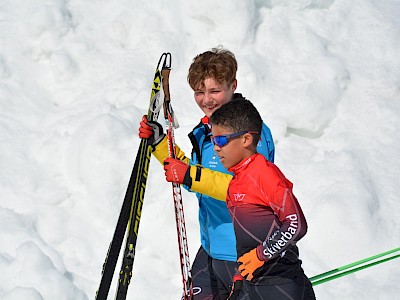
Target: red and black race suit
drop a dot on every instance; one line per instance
(266, 215)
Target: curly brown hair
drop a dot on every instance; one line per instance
(219, 64)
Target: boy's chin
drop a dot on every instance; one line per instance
(208, 112)
(226, 165)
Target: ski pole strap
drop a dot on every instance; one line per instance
(340, 272)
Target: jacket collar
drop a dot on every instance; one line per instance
(244, 163)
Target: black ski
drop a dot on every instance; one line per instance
(129, 218)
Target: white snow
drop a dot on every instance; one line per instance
(75, 79)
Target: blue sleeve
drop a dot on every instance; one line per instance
(266, 145)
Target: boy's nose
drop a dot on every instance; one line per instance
(207, 98)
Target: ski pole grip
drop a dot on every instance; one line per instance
(165, 83)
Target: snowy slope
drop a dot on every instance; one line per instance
(75, 79)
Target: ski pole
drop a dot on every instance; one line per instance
(178, 204)
(339, 272)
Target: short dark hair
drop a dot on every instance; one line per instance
(218, 63)
(239, 115)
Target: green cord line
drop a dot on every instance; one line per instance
(332, 274)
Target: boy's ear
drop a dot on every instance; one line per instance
(248, 140)
(234, 85)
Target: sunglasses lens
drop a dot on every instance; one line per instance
(220, 140)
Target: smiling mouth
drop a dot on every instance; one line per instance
(210, 107)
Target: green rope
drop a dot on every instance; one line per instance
(338, 272)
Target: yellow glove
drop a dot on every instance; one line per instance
(248, 263)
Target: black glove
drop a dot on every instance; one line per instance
(236, 287)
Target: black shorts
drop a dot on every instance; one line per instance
(298, 288)
(212, 278)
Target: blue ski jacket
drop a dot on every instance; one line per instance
(216, 228)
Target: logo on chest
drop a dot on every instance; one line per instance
(213, 164)
(238, 197)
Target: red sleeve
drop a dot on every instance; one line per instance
(293, 225)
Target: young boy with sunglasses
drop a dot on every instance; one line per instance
(267, 218)
(212, 76)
